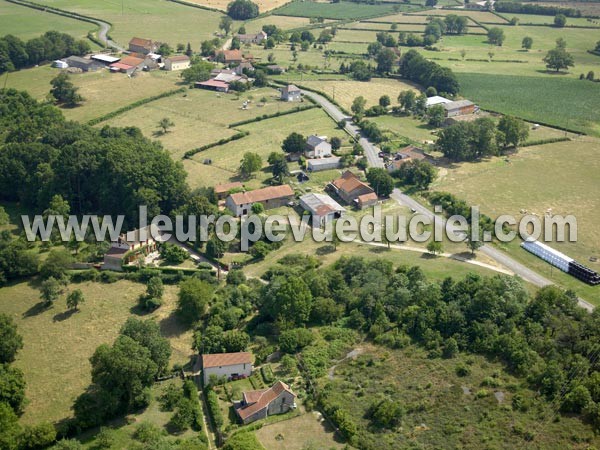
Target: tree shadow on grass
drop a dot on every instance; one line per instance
(429, 256)
(64, 315)
(36, 309)
(171, 326)
(379, 249)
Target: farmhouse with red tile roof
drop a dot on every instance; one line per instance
(256, 405)
(226, 365)
(271, 197)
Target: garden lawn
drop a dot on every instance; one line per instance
(309, 430)
(27, 23)
(201, 117)
(161, 20)
(58, 345)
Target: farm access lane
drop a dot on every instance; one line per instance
(371, 152)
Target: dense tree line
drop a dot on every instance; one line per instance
(468, 141)
(16, 54)
(526, 8)
(106, 171)
(415, 67)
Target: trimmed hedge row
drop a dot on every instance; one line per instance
(545, 141)
(235, 137)
(272, 116)
(133, 105)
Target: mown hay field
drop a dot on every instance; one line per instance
(58, 345)
(201, 117)
(562, 177)
(345, 91)
(265, 137)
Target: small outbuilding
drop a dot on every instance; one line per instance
(177, 62)
(317, 165)
(321, 207)
(459, 108)
(291, 93)
(213, 85)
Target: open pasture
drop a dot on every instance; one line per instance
(161, 20)
(562, 176)
(27, 23)
(345, 91)
(283, 22)
(549, 20)
(265, 137)
(480, 16)
(201, 117)
(58, 344)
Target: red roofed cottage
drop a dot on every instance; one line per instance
(256, 405)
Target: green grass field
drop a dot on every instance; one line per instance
(265, 137)
(201, 117)
(562, 176)
(340, 11)
(27, 23)
(549, 20)
(443, 410)
(58, 345)
(160, 20)
(557, 100)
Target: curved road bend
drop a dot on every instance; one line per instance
(371, 152)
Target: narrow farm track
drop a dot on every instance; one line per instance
(371, 152)
(103, 27)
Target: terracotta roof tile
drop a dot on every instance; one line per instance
(258, 400)
(261, 195)
(225, 359)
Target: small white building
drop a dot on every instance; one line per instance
(228, 365)
(321, 207)
(60, 64)
(317, 147)
(436, 100)
(316, 165)
(178, 62)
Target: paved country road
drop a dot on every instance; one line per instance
(371, 152)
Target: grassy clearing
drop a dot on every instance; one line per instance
(306, 431)
(265, 137)
(443, 409)
(103, 91)
(198, 106)
(161, 20)
(345, 91)
(408, 126)
(58, 345)
(559, 101)
(562, 176)
(342, 10)
(27, 23)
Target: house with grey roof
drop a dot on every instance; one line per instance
(317, 147)
(321, 207)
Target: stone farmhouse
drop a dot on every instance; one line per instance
(228, 365)
(256, 405)
(257, 38)
(143, 46)
(353, 191)
(270, 197)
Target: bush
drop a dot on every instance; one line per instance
(212, 402)
(463, 371)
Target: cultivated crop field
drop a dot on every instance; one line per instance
(265, 137)
(341, 11)
(345, 91)
(562, 176)
(58, 344)
(193, 113)
(559, 101)
(442, 409)
(160, 20)
(27, 23)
